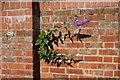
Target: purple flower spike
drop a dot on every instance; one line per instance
(79, 22)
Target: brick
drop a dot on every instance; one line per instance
(1, 8)
(28, 19)
(46, 26)
(114, 4)
(7, 5)
(17, 53)
(7, 72)
(63, 5)
(64, 12)
(9, 59)
(21, 72)
(100, 4)
(107, 59)
(23, 12)
(87, 77)
(51, 4)
(110, 31)
(29, 53)
(91, 24)
(28, 73)
(110, 11)
(4, 13)
(62, 19)
(47, 13)
(106, 4)
(45, 69)
(5, 66)
(81, 4)
(28, 12)
(20, 33)
(46, 19)
(46, 75)
(109, 38)
(101, 66)
(74, 71)
(12, 5)
(88, 65)
(86, 51)
(28, 60)
(99, 72)
(17, 5)
(60, 76)
(116, 73)
(93, 38)
(108, 73)
(57, 70)
(75, 45)
(45, 6)
(73, 77)
(93, 58)
(20, 59)
(97, 17)
(29, 66)
(94, 11)
(75, 5)
(57, 5)
(93, 45)
(103, 52)
(29, 4)
(69, 4)
(111, 66)
(23, 4)
(113, 52)
(93, 4)
(28, 26)
(87, 4)
(28, 33)
(89, 31)
(109, 45)
(111, 17)
(16, 66)
(116, 59)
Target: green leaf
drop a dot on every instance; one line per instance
(64, 23)
(46, 41)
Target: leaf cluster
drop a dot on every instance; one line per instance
(47, 39)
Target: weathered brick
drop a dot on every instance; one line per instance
(88, 65)
(109, 38)
(46, 75)
(107, 59)
(60, 76)
(74, 71)
(45, 69)
(108, 73)
(81, 4)
(16, 66)
(63, 5)
(57, 70)
(87, 4)
(93, 58)
(23, 4)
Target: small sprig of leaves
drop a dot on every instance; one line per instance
(46, 48)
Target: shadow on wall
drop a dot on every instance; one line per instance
(36, 32)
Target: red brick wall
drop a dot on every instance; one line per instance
(17, 50)
(99, 52)
(0, 39)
